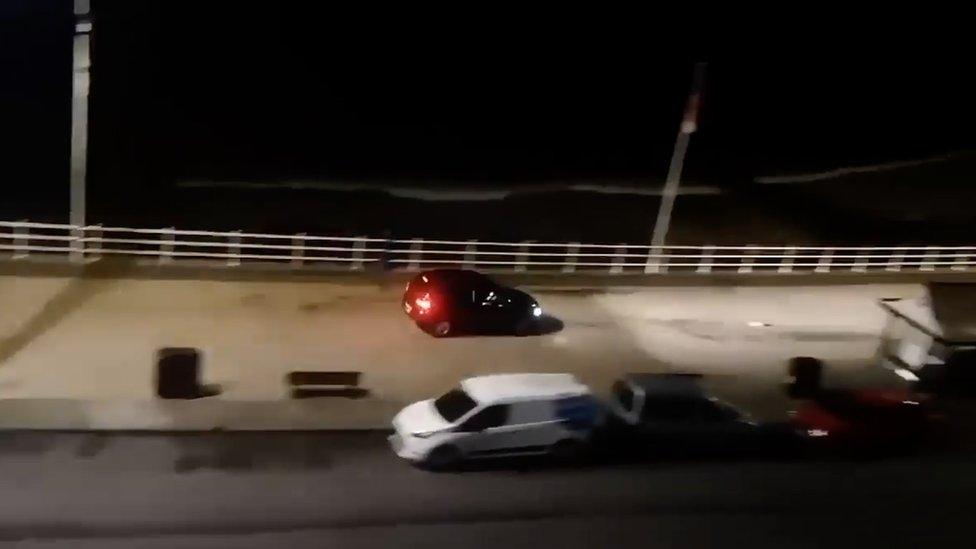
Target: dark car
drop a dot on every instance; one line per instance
(446, 302)
(671, 414)
(863, 421)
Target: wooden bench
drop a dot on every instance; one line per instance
(307, 384)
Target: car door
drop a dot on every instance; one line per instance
(717, 428)
(688, 424)
(666, 419)
(533, 427)
(486, 432)
(491, 308)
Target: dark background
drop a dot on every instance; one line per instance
(279, 93)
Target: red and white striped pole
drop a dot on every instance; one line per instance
(689, 124)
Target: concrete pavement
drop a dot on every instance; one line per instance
(78, 352)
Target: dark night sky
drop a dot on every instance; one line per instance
(293, 90)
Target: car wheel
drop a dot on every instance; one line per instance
(441, 329)
(442, 458)
(567, 451)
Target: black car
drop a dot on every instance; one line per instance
(446, 302)
(671, 414)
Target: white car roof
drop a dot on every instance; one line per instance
(511, 387)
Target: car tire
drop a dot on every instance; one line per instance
(441, 329)
(567, 451)
(442, 458)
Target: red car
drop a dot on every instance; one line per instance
(445, 302)
(862, 420)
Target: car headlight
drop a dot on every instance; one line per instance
(536, 311)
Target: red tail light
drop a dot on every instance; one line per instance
(424, 302)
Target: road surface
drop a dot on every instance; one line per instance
(347, 490)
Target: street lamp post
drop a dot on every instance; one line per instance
(689, 123)
(81, 80)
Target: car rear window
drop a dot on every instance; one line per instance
(448, 278)
(418, 282)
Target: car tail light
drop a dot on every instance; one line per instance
(424, 302)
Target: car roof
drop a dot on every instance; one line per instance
(685, 385)
(513, 387)
(452, 274)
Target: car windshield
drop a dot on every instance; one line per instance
(454, 404)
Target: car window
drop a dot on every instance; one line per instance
(670, 409)
(486, 296)
(531, 411)
(453, 404)
(712, 411)
(492, 416)
(624, 396)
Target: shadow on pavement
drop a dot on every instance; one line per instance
(25, 443)
(547, 324)
(544, 325)
(249, 451)
(90, 281)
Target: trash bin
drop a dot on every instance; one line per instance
(178, 373)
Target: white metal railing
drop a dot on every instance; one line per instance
(22, 240)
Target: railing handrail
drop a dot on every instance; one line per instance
(167, 244)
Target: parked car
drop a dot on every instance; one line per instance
(669, 414)
(862, 420)
(498, 415)
(445, 302)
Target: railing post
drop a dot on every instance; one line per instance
(746, 264)
(77, 253)
(166, 245)
(470, 252)
(96, 237)
(416, 250)
(786, 263)
(234, 250)
(22, 241)
(860, 263)
(931, 254)
(895, 261)
(656, 264)
(617, 265)
(297, 250)
(357, 253)
(705, 262)
(959, 263)
(569, 263)
(522, 257)
(823, 262)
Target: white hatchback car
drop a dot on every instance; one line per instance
(498, 415)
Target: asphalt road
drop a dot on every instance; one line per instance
(347, 490)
